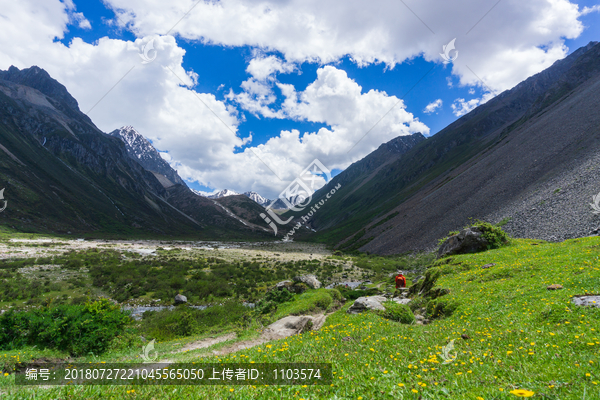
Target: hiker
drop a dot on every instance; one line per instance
(400, 280)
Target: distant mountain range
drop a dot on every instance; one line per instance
(61, 174)
(263, 201)
(528, 157)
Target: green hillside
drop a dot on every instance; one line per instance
(518, 336)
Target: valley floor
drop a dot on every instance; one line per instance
(513, 337)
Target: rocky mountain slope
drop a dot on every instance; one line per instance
(528, 156)
(141, 150)
(62, 174)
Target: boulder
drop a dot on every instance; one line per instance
(309, 280)
(587, 300)
(294, 287)
(372, 303)
(469, 240)
(283, 284)
(180, 299)
(293, 325)
(400, 300)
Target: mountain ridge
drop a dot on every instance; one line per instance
(63, 175)
(395, 211)
(142, 151)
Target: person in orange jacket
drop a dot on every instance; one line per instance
(400, 280)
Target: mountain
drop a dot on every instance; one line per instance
(222, 193)
(258, 198)
(141, 150)
(61, 174)
(263, 201)
(528, 157)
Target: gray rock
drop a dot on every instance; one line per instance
(367, 303)
(310, 280)
(372, 303)
(283, 284)
(587, 300)
(293, 325)
(400, 300)
(469, 240)
(180, 299)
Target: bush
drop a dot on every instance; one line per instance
(424, 286)
(417, 303)
(265, 306)
(77, 329)
(397, 312)
(323, 302)
(279, 296)
(185, 321)
(335, 294)
(494, 235)
(440, 308)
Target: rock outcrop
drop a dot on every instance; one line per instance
(469, 240)
(372, 303)
(293, 325)
(309, 280)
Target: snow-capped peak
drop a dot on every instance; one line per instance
(258, 198)
(226, 192)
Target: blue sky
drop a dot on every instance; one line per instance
(405, 69)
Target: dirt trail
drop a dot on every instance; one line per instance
(204, 343)
(281, 329)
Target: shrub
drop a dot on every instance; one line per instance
(185, 321)
(439, 308)
(335, 294)
(265, 306)
(397, 312)
(424, 286)
(494, 235)
(417, 303)
(323, 302)
(78, 329)
(279, 296)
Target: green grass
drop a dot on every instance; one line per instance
(311, 301)
(521, 336)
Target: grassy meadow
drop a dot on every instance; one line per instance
(512, 338)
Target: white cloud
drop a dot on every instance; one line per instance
(387, 31)
(80, 20)
(434, 105)
(263, 68)
(461, 106)
(200, 132)
(589, 10)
